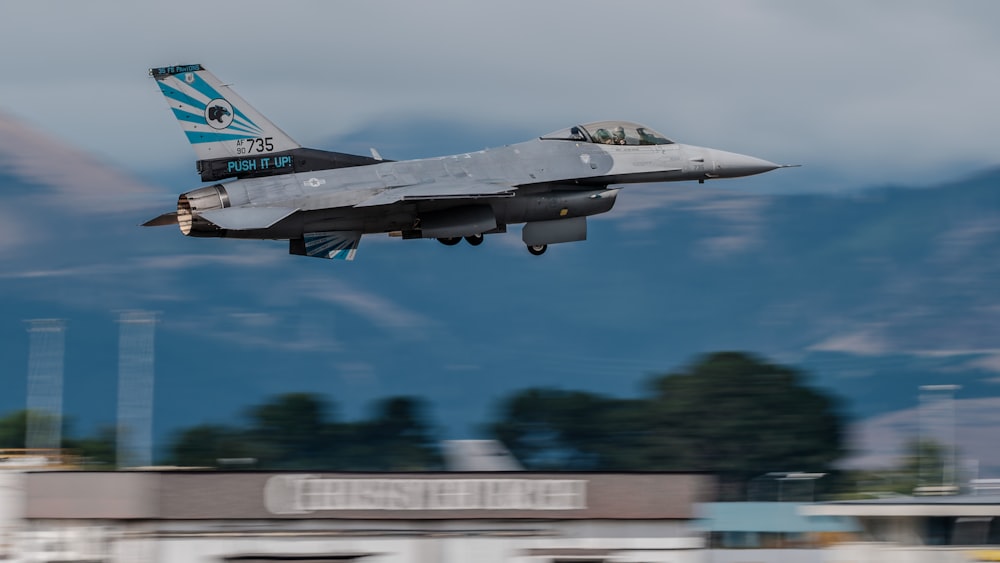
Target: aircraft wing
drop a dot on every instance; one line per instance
(247, 218)
(439, 190)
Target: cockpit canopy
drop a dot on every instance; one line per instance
(611, 133)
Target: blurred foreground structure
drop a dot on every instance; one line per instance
(946, 528)
(195, 516)
(523, 517)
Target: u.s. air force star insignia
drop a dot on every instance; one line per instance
(314, 182)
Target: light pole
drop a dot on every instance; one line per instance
(945, 397)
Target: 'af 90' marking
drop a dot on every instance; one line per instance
(256, 145)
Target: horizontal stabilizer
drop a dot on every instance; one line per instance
(246, 218)
(335, 245)
(439, 190)
(163, 220)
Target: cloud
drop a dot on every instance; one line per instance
(376, 309)
(11, 232)
(864, 341)
(81, 182)
(175, 262)
(188, 261)
(257, 329)
(876, 92)
(739, 217)
(872, 341)
(988, 362)
(968, 239)
(878, 442)
(743, 216)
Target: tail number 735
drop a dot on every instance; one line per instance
(255, 145)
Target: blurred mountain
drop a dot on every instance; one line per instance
(874, 292)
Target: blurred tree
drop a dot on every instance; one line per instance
(206, 444)
(292, 431)
(295, 431)
(97, 451)
(729, 413)
(397, 437)
(922, 464)
(94, 450)
(13, 428)
(738, 417)
(567, 430)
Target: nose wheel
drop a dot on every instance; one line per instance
(537, 249)
(474, 240)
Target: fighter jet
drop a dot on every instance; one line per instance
(321, 202)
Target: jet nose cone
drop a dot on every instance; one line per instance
(732, 165)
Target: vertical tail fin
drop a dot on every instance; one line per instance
(218, 122)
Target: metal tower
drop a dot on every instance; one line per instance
(937, 425)
(135, 388)
(45, 383)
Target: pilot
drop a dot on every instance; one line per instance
(603, 136)
(644, 137)
(619, 135)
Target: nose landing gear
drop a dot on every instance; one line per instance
(476, 240)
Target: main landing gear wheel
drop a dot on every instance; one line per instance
(450, 241)
(474, 240)
(537, 249)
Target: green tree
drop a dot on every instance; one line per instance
(922, 464)
(97, 451)
(553, 429)
(206, 444)
(738, 417)
(296, 431)
(13, 428)
(729, 413)
(292, 431)
(397, 437)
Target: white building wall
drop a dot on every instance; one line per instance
(414, 550)
(459, 542)
(877, 552)
(768, 555)
(11, 510)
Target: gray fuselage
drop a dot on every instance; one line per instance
(537, 180)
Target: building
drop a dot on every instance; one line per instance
(921, 528)
(252, 517)
(771, 525)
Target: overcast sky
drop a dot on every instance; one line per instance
(886, 91)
